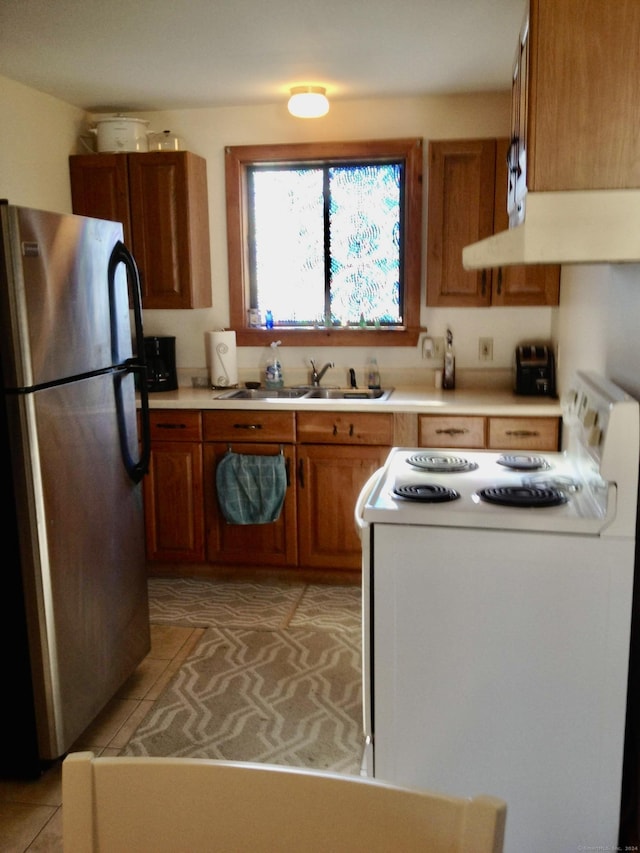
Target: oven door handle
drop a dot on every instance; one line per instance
(363, 497)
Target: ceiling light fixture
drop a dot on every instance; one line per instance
(308, 102)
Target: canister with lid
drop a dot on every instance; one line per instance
(165, 141)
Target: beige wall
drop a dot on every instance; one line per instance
(37, 134)
(599, 323)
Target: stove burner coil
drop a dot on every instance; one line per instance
(523, 496)
(441, 463)
(521, 462)
(426, 492)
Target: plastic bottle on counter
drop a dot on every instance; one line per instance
(449, 372)
(373, 374)
(273, 377)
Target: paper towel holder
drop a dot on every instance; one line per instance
(220, 345)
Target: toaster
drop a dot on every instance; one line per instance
(535, 370)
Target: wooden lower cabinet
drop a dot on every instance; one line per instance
(173, 500)
(495, 433)
(523, 434)
(329, 481)
(251, 432)
(451, 431)
(337, 453)
(271, 544)
(329, 455)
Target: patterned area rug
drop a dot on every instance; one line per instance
(206, 602)
(285, 697)
(203, 602)
(275, 678)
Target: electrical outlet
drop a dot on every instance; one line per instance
(485, 349)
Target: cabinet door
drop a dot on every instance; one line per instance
(170, 224)
(330, 478)
(173, 502)
(100, 188)
(249, 544)
(584, 111)
(461, 192)
(535, 284)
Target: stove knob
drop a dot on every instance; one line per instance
(590, 418)
(595, 437)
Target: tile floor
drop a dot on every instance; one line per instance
(31, 812)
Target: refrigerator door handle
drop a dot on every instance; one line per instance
(137, 365)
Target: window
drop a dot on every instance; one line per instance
(328, 237)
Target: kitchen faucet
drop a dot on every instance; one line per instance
(316, 375)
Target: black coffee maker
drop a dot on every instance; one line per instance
(160, 356)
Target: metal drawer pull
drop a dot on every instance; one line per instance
(522, 433)
(247, 426)
(171, 426)
(452, 431)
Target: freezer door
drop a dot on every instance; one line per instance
(54, 298)
(82, 551)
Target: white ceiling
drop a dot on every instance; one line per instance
(112, 55)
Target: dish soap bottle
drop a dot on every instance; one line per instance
(273, 370)
(449, 372)
(373, 374)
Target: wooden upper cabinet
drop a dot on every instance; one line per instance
(100, 188)
(161, 199)
(582, 84)
(468, 202)
(460, 211)
(534, 284)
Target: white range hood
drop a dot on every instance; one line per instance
(572, 227)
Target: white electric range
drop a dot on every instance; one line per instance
(496, 636)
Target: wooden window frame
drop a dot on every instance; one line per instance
(237, 161)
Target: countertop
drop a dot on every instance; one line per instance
(414, 399)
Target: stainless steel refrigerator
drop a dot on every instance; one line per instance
(75, 620)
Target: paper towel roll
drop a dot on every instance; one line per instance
(222, 360)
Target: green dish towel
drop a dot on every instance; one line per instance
(251, 488)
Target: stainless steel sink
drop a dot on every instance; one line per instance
(306, 393)
(349, 394)
(263, 394)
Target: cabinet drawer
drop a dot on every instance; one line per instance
(242, 425)
(344, 428)
(175, 425)
(451, 431)
(523, 433)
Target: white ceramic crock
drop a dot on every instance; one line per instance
(121, 133)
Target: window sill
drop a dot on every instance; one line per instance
(333, 337)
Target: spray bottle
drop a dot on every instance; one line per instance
(273, 369)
